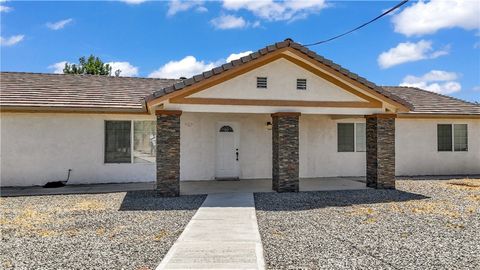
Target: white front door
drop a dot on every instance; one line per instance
(227, 153)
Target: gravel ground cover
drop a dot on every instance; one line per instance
(129, 230)
(421, 225)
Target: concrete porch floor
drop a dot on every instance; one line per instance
(265, 185)
(193, 187)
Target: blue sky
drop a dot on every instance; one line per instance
(432, 44)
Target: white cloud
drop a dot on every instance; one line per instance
(476, 88)
(277, 10)
(409, 52)
(60, 24)
(127, 69)
(58, 67)
(176, 6)
(11, 40)
(133, 2)
(438, 81)
(201, 9)
(185, 67)
(228, 22)
(189, 66)
(433, 75)
(5, 8)
(428, 17)
(235, 56)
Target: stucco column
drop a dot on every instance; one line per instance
(168, 153)
(381, 151)
(285, 160)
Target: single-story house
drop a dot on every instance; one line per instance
(283, 112)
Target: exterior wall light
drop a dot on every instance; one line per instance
(269, 126)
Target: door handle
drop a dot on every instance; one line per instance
(236, 153)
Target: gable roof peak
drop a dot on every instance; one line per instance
(286, 43)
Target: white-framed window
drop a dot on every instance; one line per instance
(301, 84)
(452, 137)
(351, 137)
(262, 82)
(130, 141)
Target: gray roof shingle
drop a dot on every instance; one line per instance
(25, 90)
(21, 89)
(426, 102)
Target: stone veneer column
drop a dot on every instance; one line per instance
(168, 153)
(381, 151)
(285, 160)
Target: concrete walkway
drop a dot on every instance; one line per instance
(223, 234)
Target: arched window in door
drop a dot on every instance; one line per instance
(226, 129)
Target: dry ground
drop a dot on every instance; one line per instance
(421, 225)
(132, 230)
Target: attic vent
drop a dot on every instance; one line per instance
(261, 82)
(301, 84)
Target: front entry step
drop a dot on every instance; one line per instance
(227, 178)
(223, 234)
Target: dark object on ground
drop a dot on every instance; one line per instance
(57, 184)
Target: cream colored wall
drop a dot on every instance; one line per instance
(416, 149)
(282, 85)
(197, 140)
(37, 148)
(318, 149)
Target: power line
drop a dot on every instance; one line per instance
(361, 26)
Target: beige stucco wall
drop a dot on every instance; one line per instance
(318, 149)
(282, 78)
(36, 148)
(416, 148)
(198, 140)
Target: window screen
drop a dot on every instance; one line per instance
(144, 141)
(360, 137)
(261, 82)
(444, 137)
(460, 137)
(301, 84)
(117, 142)
(345, 138)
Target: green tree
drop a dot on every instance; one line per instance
(93, 65)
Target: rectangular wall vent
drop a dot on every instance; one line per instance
(261, 82)
(301, 84)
